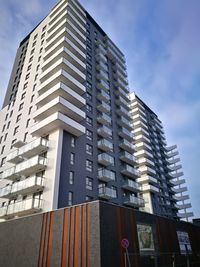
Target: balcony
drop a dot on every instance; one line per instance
(124, 122)
(9, 174)
(36, 147)
(30, 166)
(103, 107)
(127, 146)
(103, 96)
(55, 121)
(128, 158)
(63, 77)
(24, 207)
(124, 133)
(101, 75)
(130, 171)
(185, 215)
(121, 101)
(101, 58)
(147, 162)
(144, 153)
(131, 185)
(105, 145)
(147, 170)
(122, 93)
(103, 85)
(134, 201)
(123, 112)
(105, 159)
(104, 119)
(101, 66)
(61, 105)
(5, 191)
(139, 131)
(142, 138)
(178, 182)
(63, 91)
(180, 190)
(184, 206)
(176, 175)
(144, 179)
(149, 188)
(106, 175)
(100, 49)
(104, 131)
(3, 211)
(181, 198)
(107, 192)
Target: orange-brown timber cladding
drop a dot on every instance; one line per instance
(75, 238)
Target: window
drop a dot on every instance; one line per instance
(6, 117)
(89, 57)
(89, 108)
(2, 149)
(114, 191)
(27, 76)
(5, 137)
(88, 149)
(89, 134)
(41, 49)
(16, 130)
(95, 33)
(19, 117)
(42, 42)
(11, 113)
(1, 139)
(25, 137)
(89, 41)
(30, 109)
(34, 43)
(70, 198)
(89, 75)
(88, 198)
(88, 25)
(32, 51)
(31, 59)
(34, 86)
(21, 106)
(3, 129)
(88, 165)
(32, 97)
(44, 28)
(88, 65)
(23, 95)
(89, 183)
(29, 67)
(25, 86)
(88, 32)
(38, 66)
(72, 158)
(89, 121)
(8, 125)
(89, 96)
(71, 177)
(36, 76)
(89, 48)
(72, 141)
(89, 85)
(3, 161)
(17, 71)
(42, 36)
(27, 123)
(13, 87)
(39, 58)
(11, 96)
(35, 36)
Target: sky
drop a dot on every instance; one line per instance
(161, 43)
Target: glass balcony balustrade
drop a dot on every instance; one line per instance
(102, 95)
(105, 159)
(104, 119)
(134, 201)
(104, 131)
(31, 166)
(131, 185)
(128, 158)
(130, 171)
(128, 146)
(107, 192)
(106, 175)
(105, 145)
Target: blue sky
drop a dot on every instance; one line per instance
(161, 42)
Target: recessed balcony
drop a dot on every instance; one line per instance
(103, 107)
(106, 175)
(105, 159)
(130, 171)
(149, 188)
(103, 85)
(56, 121)
(105, 145)
(131, 185)
(144, 179)
(127, 146)
(104, 119)
(61, 105)
(104, 131)
(124, 133)
(107, 192)
(103, 96)
(63, 77)
(24, 207)
(133, 201)
(63, 91)
(128, 158)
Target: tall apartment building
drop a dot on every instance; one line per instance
(162, 186)
(66, 135)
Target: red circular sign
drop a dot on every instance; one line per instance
(125, 243)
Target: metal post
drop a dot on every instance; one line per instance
(128, 259)
(173, 260)
(125, 259)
